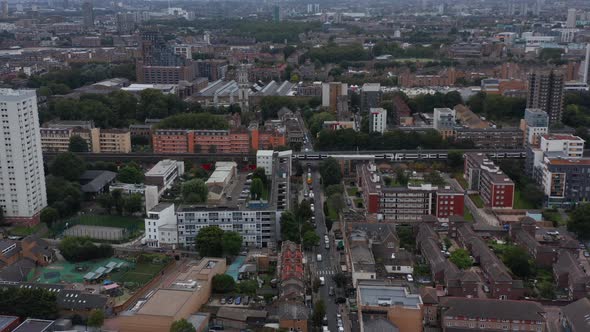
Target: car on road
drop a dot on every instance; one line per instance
(340, 322)
(331, 292)
(322, 281)
(410, 278)
(238, 300)
(340, 329)
(586, 253)
(319, 257)
(326, 239)
(339, 316)
(327, 245)
(222, 300)
(230, 300)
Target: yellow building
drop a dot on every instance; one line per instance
(57, 139)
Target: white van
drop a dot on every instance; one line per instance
(319, 257)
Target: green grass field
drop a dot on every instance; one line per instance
(25, 230)
(477, 200)
(467, 215)
(352, 191)
(142, 272)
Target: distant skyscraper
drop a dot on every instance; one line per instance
(5, 8)
(88, 14)
(571, 18)
(22, 179)
(126, 22)
(546, 93)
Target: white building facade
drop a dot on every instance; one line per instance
(378, 120)
(22, 178)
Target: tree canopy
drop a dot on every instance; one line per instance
(182, 325)
(28, 303)
(208, 241)
(130, 173)
(330, 171)
(96, 318)
(518, 260)
(195, 191)
(68, 166)
(78, 144)
(460, 257)
(63, 195)
(194, 121)
(232, 242)
(223, 283)
(348, 139)
(78, 249)
(579, 221)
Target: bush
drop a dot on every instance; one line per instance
(78, 249)
(223, 283)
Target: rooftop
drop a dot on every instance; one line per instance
(34, 325)
(5, 321)
(373, 87)
(492, 309)
(14, 95)
(380, 294)
(161, 167)
(561, 137)
(578, 314)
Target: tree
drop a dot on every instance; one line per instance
(401, 177)
(106, 201)
(334, 189)
(579, 221)
(223, 283)
(182, 325)
(434, 178)
(303, 211)
(67, 165)
(49, 216)
(118, 201)
(194, 191)
(247, 287)
(78, 144)
(336, 202)
(63, 195)
(24, 302)
(455, 159)
(256, 189)
(406, 238)
(517, 259)
(340, 279)
(330, 171)
(317, 122)
(319, 311)
(77, 249)
(310, 239)
(208, 241)
(95, 318)
(232, 242)
(130, 174)
(460, 257)
(289, 227)
(133, 203)
(259, 173)
(546, 290)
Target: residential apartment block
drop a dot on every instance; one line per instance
(558, 166)
(407, 203)
(491, 138)
(200, 141)
(370, 96)
(56, 135)
(334, 94)
(534, 125)
(546, 93)
(496, 189)
(377, 120)
(22, 178)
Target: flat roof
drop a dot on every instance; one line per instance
(561, 137)
(375, 293)
(161, 167)
(165, 302)
(569, 162)
(34, 325)
(265, 153)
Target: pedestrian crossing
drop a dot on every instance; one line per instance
(326, 272)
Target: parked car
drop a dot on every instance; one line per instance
(486, 289)
(586, 253)
(410, 278)
(238, 300)
(331, 292)
(230, 300)
(222, 300)
(246, 300)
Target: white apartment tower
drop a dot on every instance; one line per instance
(378, 120)
(571, 18)
(22, 179)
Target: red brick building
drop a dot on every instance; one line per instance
(201, 141)
(495, 187)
